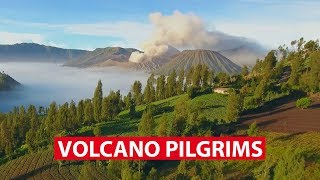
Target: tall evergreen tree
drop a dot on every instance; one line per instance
(204, 75)
(244, 71)
(234, 107)
(196, 77)
(136, 91)
(171, 84)
(149, 91)
(189, 77)
(160, 88)
(111, 105)
(180, 83)
(51, 118)
(33, 116)
(80, 112)
(62, 119)
(88, 112)
(72, 116)
(314, 79)
(97, 101)
(146, 124)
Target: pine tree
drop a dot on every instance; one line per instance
(210, 78)
(106, 108)
(196, 77)
(146, 124)
(189, 77)
(111, 105)
(62, 119)
(162, 130)
(51, 118)
(204, 75)
(136, 91)
(180, 83)
(33, 116)
(296, 68)
(72, 116)
(80, 112)
(171, 84)
(234, 107)
(244, 71)
(149, 91)
(160, 89)
(88, 112)
(127, 100)
(97, 102)
(23, 123)
(260, 91)
(132, 109)
(314, 74)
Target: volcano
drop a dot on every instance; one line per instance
(190, 58)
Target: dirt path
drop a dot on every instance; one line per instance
(286, 118)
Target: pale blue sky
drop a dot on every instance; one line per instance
(100, 23)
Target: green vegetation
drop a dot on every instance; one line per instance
(7, 82)
(304, 103)
(181, 104)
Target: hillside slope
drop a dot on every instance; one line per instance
(31, 52)
(191, 58)
(100, 57)
(41, 165)
(7, 82)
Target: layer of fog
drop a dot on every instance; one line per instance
(47, 82)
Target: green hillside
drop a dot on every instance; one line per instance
(301, 150)
(183, 105)
(7, 82)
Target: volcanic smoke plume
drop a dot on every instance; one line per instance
(188, 31)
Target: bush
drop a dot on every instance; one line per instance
(192, 92)
(253, 129)
(97, 131)
(304, 103)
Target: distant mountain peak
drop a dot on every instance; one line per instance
(189, 58)
(108, 56)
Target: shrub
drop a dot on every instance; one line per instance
(97, 131)
(303, 103)
(192, 92)
(253, 129)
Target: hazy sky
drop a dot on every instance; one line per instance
(100, 23)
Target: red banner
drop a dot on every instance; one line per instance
(159, 148)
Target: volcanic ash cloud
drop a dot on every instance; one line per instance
(188, 31)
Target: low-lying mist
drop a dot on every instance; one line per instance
(47, 82)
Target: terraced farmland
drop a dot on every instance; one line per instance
(38, 166)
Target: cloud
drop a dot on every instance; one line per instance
(188, 31)
(272, 34)
(13, 38)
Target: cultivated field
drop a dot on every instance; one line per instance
(286, 117)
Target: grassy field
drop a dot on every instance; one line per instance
(212, 108)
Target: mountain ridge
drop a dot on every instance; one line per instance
(100, 57)
(33, 52)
